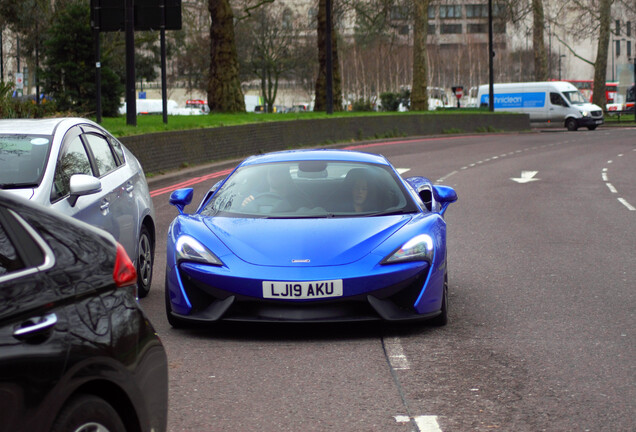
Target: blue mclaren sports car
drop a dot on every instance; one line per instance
(311, 236)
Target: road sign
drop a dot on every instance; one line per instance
(19, 80)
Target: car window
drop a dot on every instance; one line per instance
(308, 189)
(9, 259)
(119, 151)
(575, 97)
(104, 157)
(23, 159)
(556, 99)
(73, 160)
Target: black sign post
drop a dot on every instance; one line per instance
(130, 16)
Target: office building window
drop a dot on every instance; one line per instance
(477, 11)
(617, 29)
(477, 28)
(618, 48)
(431, 12)
(629, 49)
(450, 29)
(450, 11)
(399, 13)
(499, 27)
(628, 28)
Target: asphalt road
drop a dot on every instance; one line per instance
(542, 332)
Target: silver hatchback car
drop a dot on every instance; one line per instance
(75, 166)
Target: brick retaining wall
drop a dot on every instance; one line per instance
(160, 152)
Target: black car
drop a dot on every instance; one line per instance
(77, 353)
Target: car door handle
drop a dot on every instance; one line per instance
(104, 205)
(130, 187)
(35, 325)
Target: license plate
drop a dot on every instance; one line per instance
(302, 290)
(599, 121)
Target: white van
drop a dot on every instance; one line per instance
(554, 102)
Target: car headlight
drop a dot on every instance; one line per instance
(419, 248)
(189, 249)
(585, 113)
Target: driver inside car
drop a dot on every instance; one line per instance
(281, 195)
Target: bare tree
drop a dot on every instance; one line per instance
(538, 43)
(224, 86)
(272, 35)
(600, 65)
(419, 94)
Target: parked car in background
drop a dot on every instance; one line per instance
(312, 236)
(199, 104)
(77, 353)
(74, 166)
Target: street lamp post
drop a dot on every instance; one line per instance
(613, 55)
(634, 88)
(560, 57)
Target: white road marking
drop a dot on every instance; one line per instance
(626, 204)
(611, 187)
(526, 177)
(395, 352)
(442, 179)
(425, 423)
(402, 170)
(604, 176)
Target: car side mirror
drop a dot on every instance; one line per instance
(181, 198)
(445, 195)
(83, 184)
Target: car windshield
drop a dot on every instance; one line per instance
(575, 97)
(23, 159)
(311, 189)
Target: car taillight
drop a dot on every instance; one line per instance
(124, 273)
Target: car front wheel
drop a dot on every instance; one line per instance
(442, 318)
(88, 413)
(145, 262)
(571, 124)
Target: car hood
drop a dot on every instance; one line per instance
(26, 193)
(309, 242)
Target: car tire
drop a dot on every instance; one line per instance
(442, 318)
(145, 262)
(86, 413)
(571, 124)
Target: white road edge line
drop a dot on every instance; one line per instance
(611, 187)
(626, 204)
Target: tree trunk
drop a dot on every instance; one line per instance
(600, 65)
(320, 103)
(419, 95)
(224, 86)
(538, 30)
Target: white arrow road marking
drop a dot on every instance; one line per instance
(526, 177)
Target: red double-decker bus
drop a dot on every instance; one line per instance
(614, 101)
